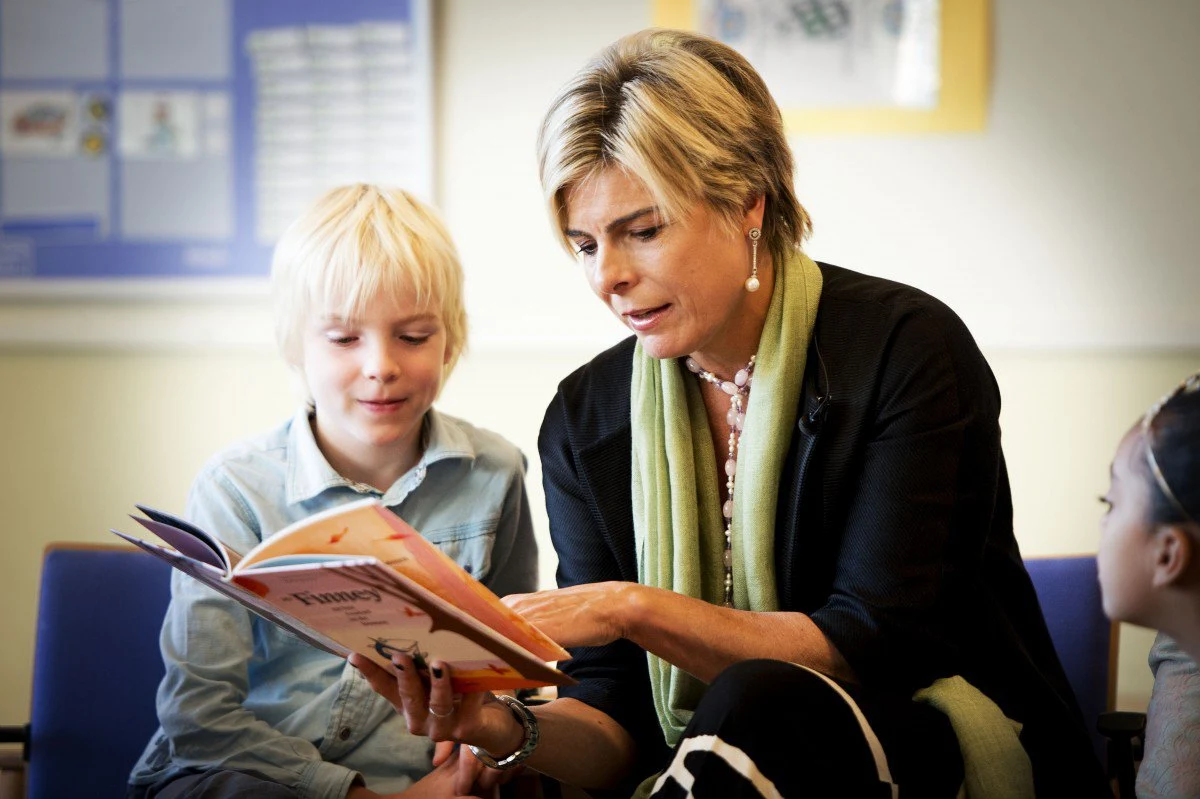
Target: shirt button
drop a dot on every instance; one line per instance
(345, 733)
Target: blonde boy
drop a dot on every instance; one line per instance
(369, 313)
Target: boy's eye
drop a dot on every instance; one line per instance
(339, 340)
(415, 339)
(1106, 502)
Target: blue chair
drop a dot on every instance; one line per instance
(1068, 590)
(96, 669)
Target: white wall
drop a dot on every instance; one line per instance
(1083, 185)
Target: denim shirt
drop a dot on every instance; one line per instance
(241, 693)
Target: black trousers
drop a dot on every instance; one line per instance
(767, 728)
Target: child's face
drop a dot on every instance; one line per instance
(372, 380)
(1127, 554)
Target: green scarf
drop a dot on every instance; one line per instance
(677, 519)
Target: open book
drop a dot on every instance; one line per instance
(358, 578)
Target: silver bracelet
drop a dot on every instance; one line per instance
(529, 724)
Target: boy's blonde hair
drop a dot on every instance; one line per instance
(686, 115)
(356, 244)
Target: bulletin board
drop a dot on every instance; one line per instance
(857, 66)
(163, 146)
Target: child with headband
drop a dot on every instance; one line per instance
(1150, 575)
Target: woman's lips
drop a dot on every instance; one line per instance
(644, 319)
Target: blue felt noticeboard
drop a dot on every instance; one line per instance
(168, 142)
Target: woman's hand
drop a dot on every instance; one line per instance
(429, 705)
(431, 708)
(582, 615)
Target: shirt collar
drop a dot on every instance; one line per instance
(309, 473)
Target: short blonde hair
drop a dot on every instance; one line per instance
(686, 115)
(358, 243)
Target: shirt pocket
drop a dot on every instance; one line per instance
(469, 545)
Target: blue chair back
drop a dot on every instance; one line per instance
(1068, 590)
(96, 668)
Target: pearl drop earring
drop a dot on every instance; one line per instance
(752, 283)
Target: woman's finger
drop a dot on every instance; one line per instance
(381, 679)
(513, 599)
(443, 705)
(414, 696)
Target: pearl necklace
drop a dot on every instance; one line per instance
(737, 389)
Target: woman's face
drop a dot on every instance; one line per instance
(1127, 553)
(678, 285)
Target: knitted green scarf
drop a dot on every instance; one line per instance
(678, 525)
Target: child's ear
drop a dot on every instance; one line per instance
(1174, 552)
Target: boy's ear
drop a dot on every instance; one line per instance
(1174, 552)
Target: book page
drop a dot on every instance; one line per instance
(215, 579)
(178, 532)
(370, 529)
(369, 608)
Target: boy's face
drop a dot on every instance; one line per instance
(372, 380)
(1127, 553)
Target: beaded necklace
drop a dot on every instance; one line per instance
(738, 389)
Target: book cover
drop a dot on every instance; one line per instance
(358, 578)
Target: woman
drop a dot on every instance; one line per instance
(788, 463)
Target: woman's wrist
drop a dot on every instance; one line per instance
(510, 757)
(503, 737)
(628, 610)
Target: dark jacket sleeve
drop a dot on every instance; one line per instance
(917, 433)
(613, 678)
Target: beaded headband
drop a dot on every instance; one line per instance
(1189, 385)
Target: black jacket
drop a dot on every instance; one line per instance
(893, 526)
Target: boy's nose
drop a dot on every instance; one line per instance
(381, 366)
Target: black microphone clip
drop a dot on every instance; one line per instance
(810, 422)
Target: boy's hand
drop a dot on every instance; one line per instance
(440, 783)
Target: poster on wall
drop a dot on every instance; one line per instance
(857, 66)
(151, 149)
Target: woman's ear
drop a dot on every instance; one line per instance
(756, 208)
(1174, 553)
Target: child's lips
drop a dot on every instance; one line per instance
(381, 405)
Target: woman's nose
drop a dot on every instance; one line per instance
(611, 272)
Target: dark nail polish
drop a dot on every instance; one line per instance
(437, 672)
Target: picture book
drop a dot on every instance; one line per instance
(359, 578)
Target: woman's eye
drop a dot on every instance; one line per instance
(585, 248)
(646, 234)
